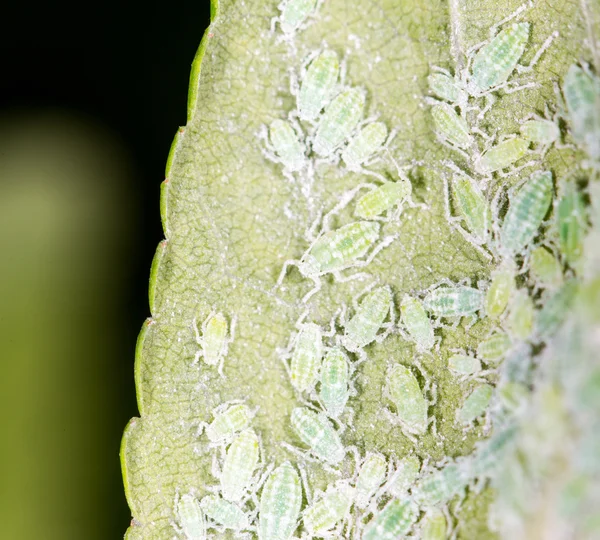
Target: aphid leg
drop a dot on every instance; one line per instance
(510, 17)
(314, 290)
(304, 479)
(215, 469)
(286, 265)
(344, 201)
(198, 337)
(538, 54)
(470, 321)
(515, 170)
(306, 456)
(339, 278)
(201, 427)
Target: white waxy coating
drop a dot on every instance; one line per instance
(404, 476)
(294, 13)
(287, 145)
(370, 477)
(450, 126)
(214, 338)
(454, 301)
(240, 461)
(280, 503)
(417, 323)
(542, 132)
(224, 513)
(392, 522)
(227, 423)
(326, 512)
(381, 199)
(434, 525)
(364, 145)
(318, 85)
(526, 213)
(475, 405)
(463, 364)
(502, 155)
(472, 205)
(191, 518)
(372, 311)
(306, 357)
(338, 121)
(334, 382)
(406, 394)
(318, 433)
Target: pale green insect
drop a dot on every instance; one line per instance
(473, 206)
(306, 357)
(541, 131)
(500, 291)
(294, 13)
(444, 86)
(521, 315)
(525, 213)
(338, 121)
(555, 309)
(463, 364)
(326, 512)
(224, 513)
(227, 423)
(240, 461)
(451, 127)
(494, 62)
(454, 301)
(475, 405)
(404, 476)
(191, 518)
(417, 323)
(488, 454)
(405, 393)
(434, 525)
(545, 269)
(286, 144)
(392, 522)
(440, 485)
(493, 348)
(382, 199)
(317, 432)
(370, 314)
(364, 145)
(334, 391)
(214, 340)
(318, 85)
(280, 503)
(370, 477)
(502, 155)
(571, 223)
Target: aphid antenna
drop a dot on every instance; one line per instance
(538, 54)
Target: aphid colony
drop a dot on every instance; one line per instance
(525, 299)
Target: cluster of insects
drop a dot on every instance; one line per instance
(534, 282)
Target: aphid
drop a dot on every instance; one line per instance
(294, 13)
(417, 323)
(440, 485)
(392, 522)
(473, 207)
(318, 85)
(224, 513)
(454, 301)
(280, 504)
(228, 422)
(214, 340)
(306, 357)
(499, 292)
(338, 122)
(493, 348)
(317, 432)
(521, 315)
(525, 213)
(555, 309)
(571, 223)
(325, 513)
(362, 328)
(191, 518)
(334, 382)
(464, 365)
(444, 86)
(364, 145)
(404, 476)
(545, 269)
(475, 405)
(489, 453)
(382, 199)
(540, 131)
(451, 127)
(501, 156)
(434, 525)
(240, 461)
(370, 477)
(411, 406)
(286, 144)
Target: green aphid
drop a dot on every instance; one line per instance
(451, 127)
(306, 357)
(327, 511)
(494, 348)
(475, 405)
(318, 85)
(294, 13)
(555, 309)
(521, 315)
(240, 461)
(224, 513)
(500, 291)
(286, 144)
(473, 206)
(464, 364)
(370, 477)
(545, 269)
(191, 518)
(404, 476)
(334, 391)
(382, 199)
(440, 485)
(317, 432)
(228, 422)
(406, 394)
(444, 86)
(454, 301)
(488, 454)
(433, 525)
(417, 323)
(392, 522)
(571, 223)
(364, 145)
(542, 132)
(502, 155)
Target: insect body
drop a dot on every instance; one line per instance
(499, 292)
(334, 382)
(228, 422)
(451, 127)
(224, 513)
(417, 323)
(502, 155)
(316, 431)
(542, 132)
(545, 268)
(191, 518)
(306, 357)
(440, 485)
(382, 198)
(525, 213)
(493, 348)
(434, 525)
(555, 309)
(404, 476)
(473, 207)
(214, 341)
(325, 513)
(290, 151)
(340, 118)
(240, 462)
(370, 477)
(362, 328)
(294, 13)
(444, 86)
(363, 145)
(521, 315)
(318, 85)
(392, 522)
(475, 405)
(454, 301)
(280, 504)
(571, 223)
(411, 407)
(464, 365)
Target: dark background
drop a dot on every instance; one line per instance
(91, 95)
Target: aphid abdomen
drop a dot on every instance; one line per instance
(417, 323)
(454, 301)
(191, 518)
(545, 268)
(328, 511)
(334, 382)
(287, 146)
(463, 364)
(370, 477)
(225, 513)
(383, 198)
(315, 431)
(366, 142)
(406, 394)
(362, 328)
(440, 486)
(493, 348)
(306, 357)
(443, 86)
(294, 13)
(404, 476)
(502, 155)
(214, 339)
(571, 217)
(499, 292)
(475, 404)
(473, 206)
(227, 423)
(450, 126)
(392, 522)
(240, 462)
(434, 525)
(542, 132)
(318, 85)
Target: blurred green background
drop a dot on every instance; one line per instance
(89, 104)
